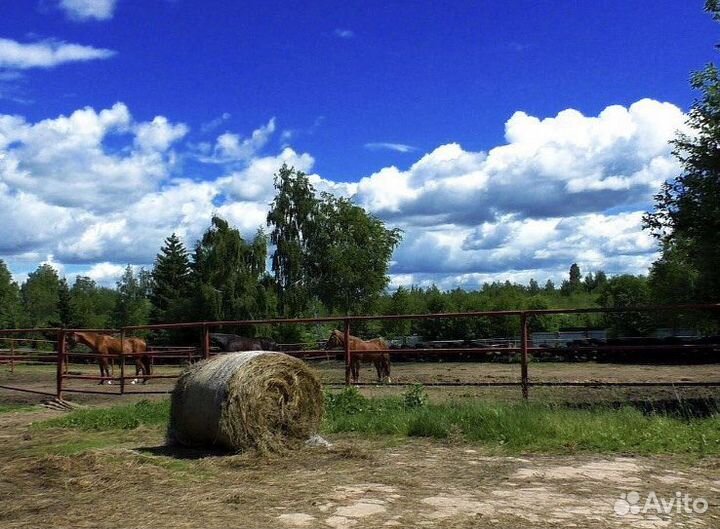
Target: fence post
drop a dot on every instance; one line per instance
(348, 359)
(60, 364)
(205, 341)
(122, 361)
(12, 356)
(524, 353)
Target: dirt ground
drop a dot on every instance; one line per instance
(67, 478)
(62, 478)
(42, 378)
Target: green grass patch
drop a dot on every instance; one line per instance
(9, 408)
(125, 417)
(78, 446)
(501, 427)
(514, 428)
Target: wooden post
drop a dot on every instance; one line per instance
(60, 363)
(122, 362)
(348, 358)
(524, 353)
(12, 355)
(205, 345)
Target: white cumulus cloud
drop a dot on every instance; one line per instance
(46, 54)
(82, 10)
(99, 189)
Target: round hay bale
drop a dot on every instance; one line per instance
(252, 399)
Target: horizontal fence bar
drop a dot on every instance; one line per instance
(93, 391)
(66, 376)
(42, 329)
(442, 315)
(538, 384)
(20, 340)
(147, 392)
(26, 390)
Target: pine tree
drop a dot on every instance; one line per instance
(171, 281)
(64, 309)
(533, 287)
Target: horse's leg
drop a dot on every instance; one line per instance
(104, 370)
(377, 362)
(138, 370)
(356, 369)
(386, 362)
(147, 367)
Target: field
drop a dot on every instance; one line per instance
(437, 466)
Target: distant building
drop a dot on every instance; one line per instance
(562, 338)
(679, 333)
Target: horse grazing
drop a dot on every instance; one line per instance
(363, 351)
(232, 342)
(108, 347)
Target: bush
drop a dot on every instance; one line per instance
(349, 401)
(415, 396)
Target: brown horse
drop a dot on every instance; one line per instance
(363, 351)
(108, 347)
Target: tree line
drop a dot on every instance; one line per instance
(329, 257)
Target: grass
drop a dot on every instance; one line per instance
(9, 408)
(515, 428)
(502, 427)
(126, 417)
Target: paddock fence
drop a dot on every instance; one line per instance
(25, 352)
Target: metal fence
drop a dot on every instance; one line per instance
(49, 345)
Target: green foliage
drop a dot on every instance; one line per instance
(292, 217)
(686, 218)
(64, 308)
(126, 417)
(132, 306)
(507, 428)
(91, 307)
(348, 401)
(492, 296)
(171, 281)
(350, 252)
(415, 396)
(520, 428)
(9, 299)
(326, 247)
(41, 298)
(228, 274)
(627, 291)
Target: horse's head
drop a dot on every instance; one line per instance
(72, 339)
(337, 339)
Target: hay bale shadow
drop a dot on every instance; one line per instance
(177, 451)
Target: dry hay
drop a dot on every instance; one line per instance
(252, 399)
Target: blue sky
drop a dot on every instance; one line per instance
(498, 134)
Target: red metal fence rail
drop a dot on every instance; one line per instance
(204, 350)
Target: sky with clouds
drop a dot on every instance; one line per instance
(507, 140)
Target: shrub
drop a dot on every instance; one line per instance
(415, 396)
